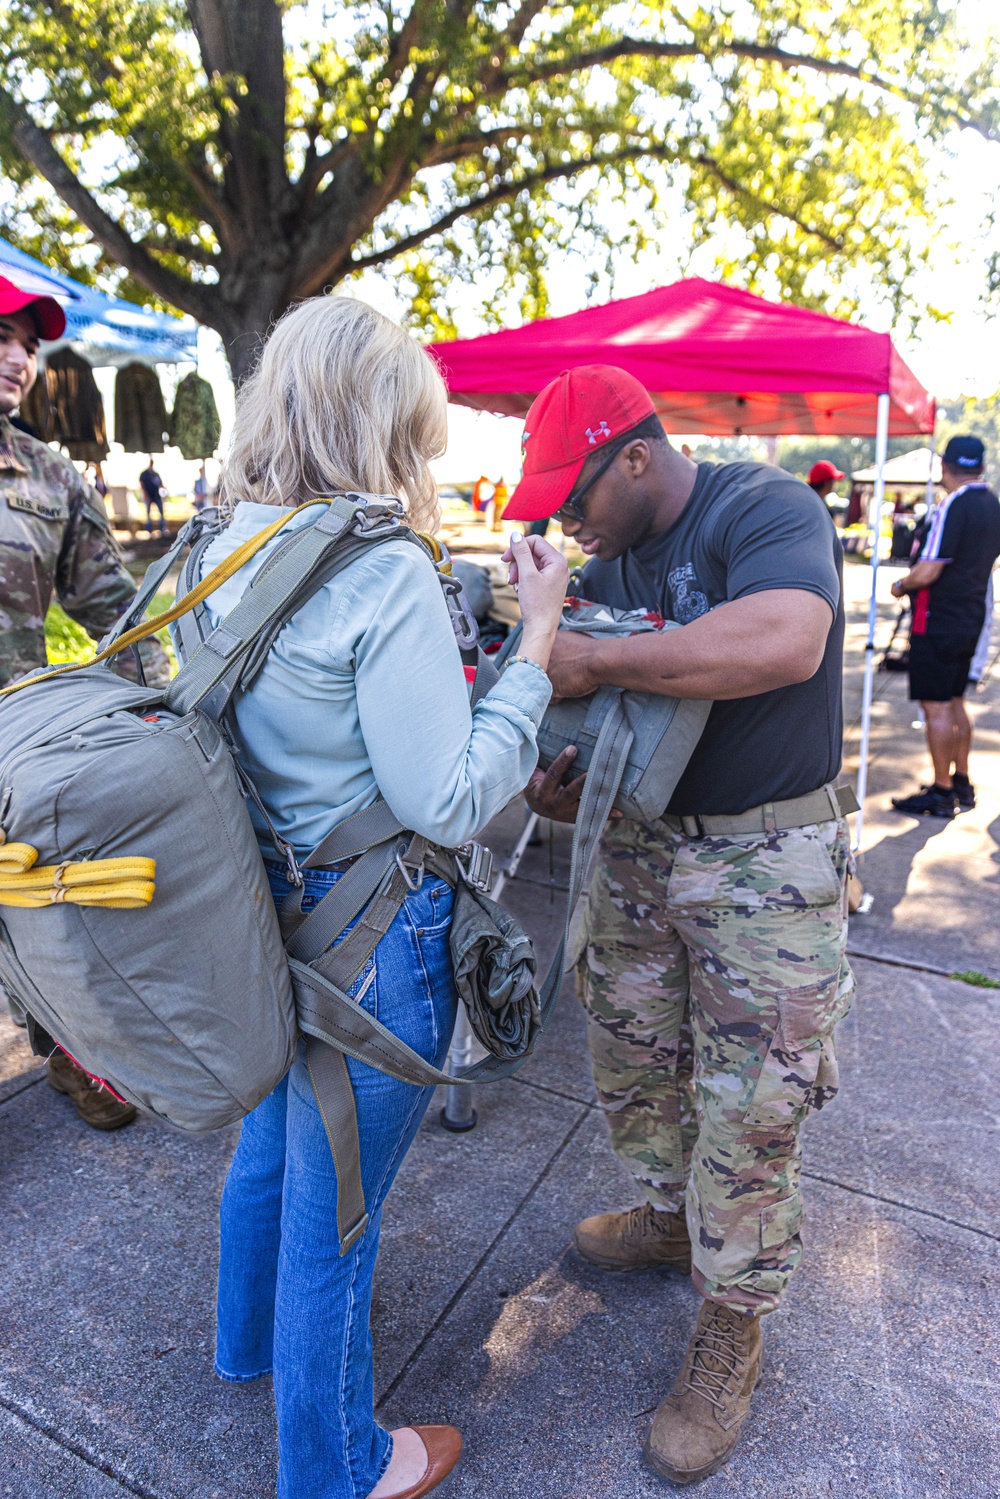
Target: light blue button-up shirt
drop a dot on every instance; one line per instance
(364, 695)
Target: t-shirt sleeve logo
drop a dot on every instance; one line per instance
(687, 602)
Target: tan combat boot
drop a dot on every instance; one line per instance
(94, 1104)
(643, 1238)
(699, 1423)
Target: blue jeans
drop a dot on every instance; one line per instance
(288, 1302)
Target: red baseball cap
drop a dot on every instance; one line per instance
(823, 470)
(50, 319)
(574, 416)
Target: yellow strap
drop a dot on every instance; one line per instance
(123, 883)
(436, 550)
(15, 858)
(215, 579)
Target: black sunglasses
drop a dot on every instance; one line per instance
(570, 508)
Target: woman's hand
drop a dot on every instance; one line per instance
(540, 574)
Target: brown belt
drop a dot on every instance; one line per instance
(829, 803)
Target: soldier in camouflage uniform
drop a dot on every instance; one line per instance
(54, 540)
(713, 968)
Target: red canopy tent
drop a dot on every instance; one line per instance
(720, 362)
(716, 360)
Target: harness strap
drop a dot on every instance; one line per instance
(335, 1098)
(342, 964)
(326, 1012)
(230, 640)
(371, 825)
(215, 579)
(339, 906)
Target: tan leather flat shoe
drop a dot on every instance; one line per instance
(444, 1448)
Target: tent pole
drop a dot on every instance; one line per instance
(929, 496)
(881, 445)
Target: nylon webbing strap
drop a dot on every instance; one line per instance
(342, 964)
(339, 906)
(335, 1098)
(192, 628)
(231, 639)
(149, 587)
(373, 824)
(330, 1015)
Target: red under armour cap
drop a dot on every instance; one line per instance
(824, 470)
(50, 319)
(574, 416)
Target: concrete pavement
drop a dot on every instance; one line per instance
(881, 1375)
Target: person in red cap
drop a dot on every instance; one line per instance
(824, 477)
(54, 540)
(715, 969)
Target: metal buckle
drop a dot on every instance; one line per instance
(463, 622)
(294, 872)
(477, 870)
(404, 869)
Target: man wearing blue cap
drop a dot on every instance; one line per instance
(948, 586)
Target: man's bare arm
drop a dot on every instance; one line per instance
(921, 575)
(752, 645)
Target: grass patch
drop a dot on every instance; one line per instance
(66, 641)
(976, 979)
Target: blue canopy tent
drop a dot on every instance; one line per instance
(104, 330)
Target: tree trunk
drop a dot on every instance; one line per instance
(250, 303)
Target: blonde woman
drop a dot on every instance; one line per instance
(363, 695)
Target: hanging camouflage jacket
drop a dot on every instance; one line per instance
(55, 539)
(194, 423)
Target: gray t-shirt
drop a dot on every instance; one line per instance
(747, 527)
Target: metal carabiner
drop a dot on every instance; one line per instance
(404, 869)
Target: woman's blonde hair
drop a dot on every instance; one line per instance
(341, 399)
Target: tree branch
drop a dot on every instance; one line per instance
(217, 211)
(834, 242)
(39, 150)
(189, 249)
(504, 191)
(499, 194)
(627, 47)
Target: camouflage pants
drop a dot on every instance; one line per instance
(713, 975)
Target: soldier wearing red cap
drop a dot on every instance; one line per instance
(824, 477)
(54, 539)
(715, 969)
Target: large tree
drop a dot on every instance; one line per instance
(231, 156)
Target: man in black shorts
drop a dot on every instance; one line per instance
(948, 584)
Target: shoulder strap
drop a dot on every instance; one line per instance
(132, 636)
(232, 639)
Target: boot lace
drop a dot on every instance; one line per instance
(642, 1221)
(717, 1352)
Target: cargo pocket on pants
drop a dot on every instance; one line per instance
(800, 1074)
(780, 1222)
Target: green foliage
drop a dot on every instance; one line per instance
(798, 454)
(982, 419)
(66, 641)
(228, 156)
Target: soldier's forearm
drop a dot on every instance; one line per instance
(752, 645)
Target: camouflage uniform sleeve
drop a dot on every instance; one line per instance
(93, 584)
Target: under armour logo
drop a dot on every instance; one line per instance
(602, 430)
